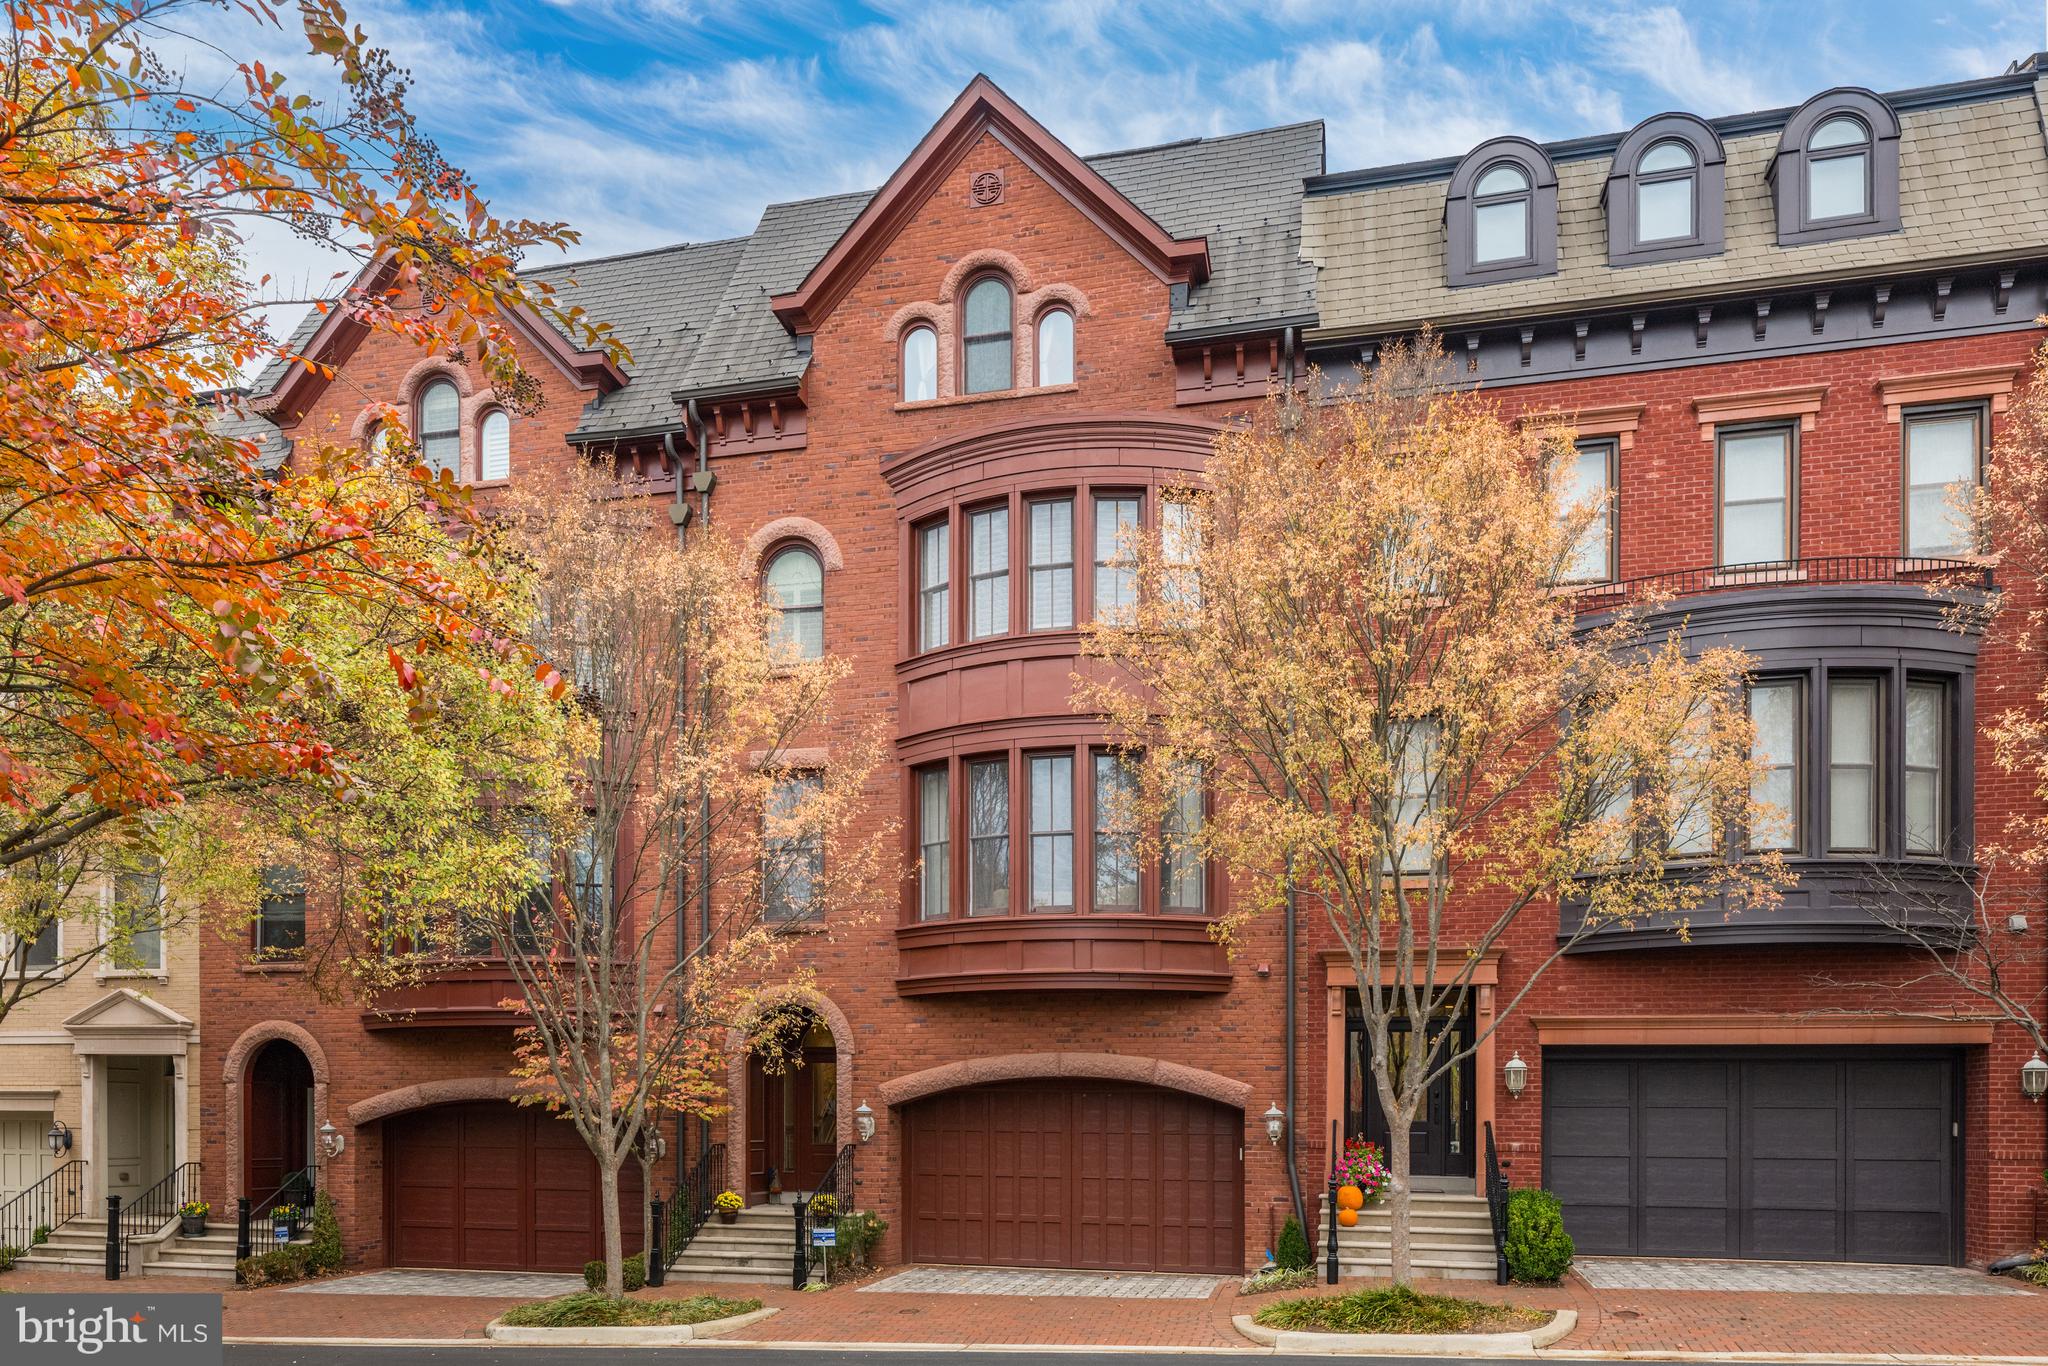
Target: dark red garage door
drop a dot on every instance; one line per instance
(1078, 1174)
(497, 1187)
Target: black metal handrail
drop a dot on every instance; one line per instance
(1330, 1255)
(1497, 1208)
(1971, 575)
(146, 1214)
(691, 1208)
(296, 1190)
(838, 1174)
(48, 1205)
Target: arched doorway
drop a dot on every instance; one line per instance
(277, 1121)
(792, 1102)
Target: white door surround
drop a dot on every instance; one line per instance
(123, 1039)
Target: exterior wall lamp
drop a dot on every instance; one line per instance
(864, 1122)
(1515, 1074)
(59, 1138)
(1276, 1124)
(332, 1140)
(655, 1145)
(2034, 1077)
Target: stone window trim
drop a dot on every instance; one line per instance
(1618, 195)
(1760, 405)
(1460, 268)
(771, 536)
(1786, 173)
(1991, 384)
(1620, 421)
(475, 402)
(1030, 301)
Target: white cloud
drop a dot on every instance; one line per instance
(1658, 46)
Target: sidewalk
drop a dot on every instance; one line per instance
(1932, 1327)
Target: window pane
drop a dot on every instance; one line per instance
(440, 408)
(1180, 541)
(1836, 187)
(1052, 831)
(1414, 795)
(1926, 753)
(987, 338)
(1774, 711)
(934, 611)
(1116, 855)
(494, 459)
(1665, 156)
(1056, 348)
(1501, 180)
(934, 838)
(1754, 506)
(1664, 209)
(1852, 765)
(1116, 583)
(1839, 132)
(988, 308)
(1181, 881)
(796, 589)
(988, 817)
(1941, 454)
(920, 365)
(1500, 232)
(1052, 564)
(1586, 481)
(45, 949)
(281, 921)
(793, 853)
(989, 572)
(1753, 465)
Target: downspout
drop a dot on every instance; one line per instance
(679, 513)
(1293, 1114)
(701, 439)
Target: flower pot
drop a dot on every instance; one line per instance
(1350, 1197)
(728, 1216)
(192, 1225)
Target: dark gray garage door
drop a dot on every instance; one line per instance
(1754, 1153)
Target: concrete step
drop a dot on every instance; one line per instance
(743, 1233)
(209, 1272)
(689, 1269)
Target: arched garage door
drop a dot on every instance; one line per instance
(1075, 1174)
(496, 1186)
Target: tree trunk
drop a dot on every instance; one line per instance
(1398, 1203)
(646, 1201)
(614, 1246)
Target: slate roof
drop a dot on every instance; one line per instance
(1972, 177)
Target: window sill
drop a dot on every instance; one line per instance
(798, 928)
(132, 975)
(254, 965)
(961, 400)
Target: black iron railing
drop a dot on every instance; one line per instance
(1497, 1208)
(837, 1187)
(295, 1191)
(691, 1208)
(46, 1206)
(1938, 574)
(1330, 1201)
(146, 1215)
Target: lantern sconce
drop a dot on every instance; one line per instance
(59, 1138)
(654, 1143)
(2034, 1078)
(1515, 1074)
(864, 1122)
(1276, 1124)
(332, 1140)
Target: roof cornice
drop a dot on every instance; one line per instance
(983, 108)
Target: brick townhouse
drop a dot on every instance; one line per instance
(928, 409)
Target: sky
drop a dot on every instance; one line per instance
(647, 122)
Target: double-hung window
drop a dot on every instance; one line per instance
(988, 836)
(1853, 747)
(1182, 884)
(1589, 479)
(1414, 750)
(934, 843)
(1943, 455)
(1926, 767)
(793, 851)
(934, 587)
(138, 915)
(1114, 849)
(1052, 832)
(1052, 564)
(281, 916)
(1758, 480)
(1774, 708)
(1116, 578)
(988, 574)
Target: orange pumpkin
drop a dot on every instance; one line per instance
(1350, 1197)
(1347, 1217)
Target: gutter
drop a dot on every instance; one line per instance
(1293, 1125)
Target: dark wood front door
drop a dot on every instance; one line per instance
(276, 1115)
(495, 1186)
(1441, 1141)
(792, 1122)
(1075, 1174)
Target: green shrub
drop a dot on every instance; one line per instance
(1293, 1253)
(323, 1253)
(1395, 1309)
(292, 1262)
(859, 1233)
(40, 1236)
(1537, 1247)
(1276, 1278)
(8, 1257)
(634, 1268)
(595, 1309)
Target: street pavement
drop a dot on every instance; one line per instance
(807, 1356)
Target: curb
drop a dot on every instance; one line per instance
(1411, 1344)
(651, 1335)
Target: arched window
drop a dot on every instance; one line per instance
(1055, 347)
(1838, 169)
(985, 337)
(1664, 193)
(920, 365)
(494, 446)
(438, 427)
(795, 588)
(1500, 214)
(1666, 185)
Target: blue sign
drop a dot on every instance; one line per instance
(825, 1237)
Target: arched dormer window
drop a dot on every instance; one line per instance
(795, 587)
(1055, 347)
(1836, 171)
(985, 337)
(494, 446)
(920, 364)
(1664, 192)
(1500, 215)
(437, 426)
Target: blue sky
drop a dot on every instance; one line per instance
(643, 122)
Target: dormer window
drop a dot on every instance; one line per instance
(1664, 192)
(1836, 171)
(1500, 215)
(985, 337)
(920, 365)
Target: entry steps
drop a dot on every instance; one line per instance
(760, 1247)
(81, 1245)
(1449, 1236)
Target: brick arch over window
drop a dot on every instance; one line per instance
(385, 1104)
(943, 315)
(475, 402)
(736, 1068)
(1093, 1066)
(236, 1065)
(795, 529)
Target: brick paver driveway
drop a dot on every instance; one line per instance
(509, 1285)
(1094, 1285)
(1813, 1278)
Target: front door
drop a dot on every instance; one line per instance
(276, 1105)
(1441, 1140)
(792, 1121)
